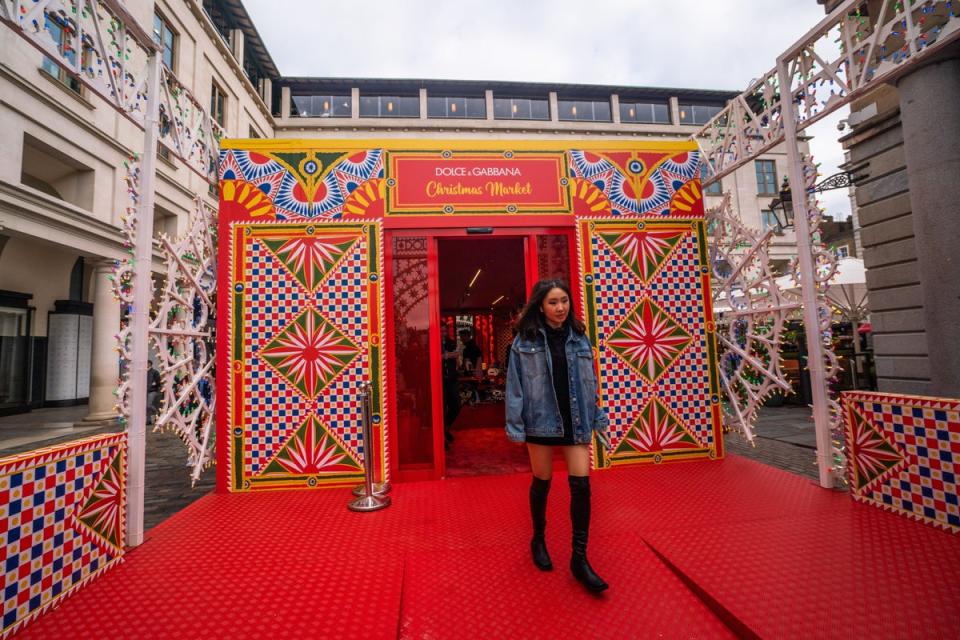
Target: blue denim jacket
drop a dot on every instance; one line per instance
(531, 403)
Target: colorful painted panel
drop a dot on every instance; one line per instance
(62, 522)
(637, 183)
(301, 224)
(645, 285)
(305, 335)
(902, 454)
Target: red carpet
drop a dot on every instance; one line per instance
(705, 549)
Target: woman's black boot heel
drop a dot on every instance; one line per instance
(580, 516)
(539, 489)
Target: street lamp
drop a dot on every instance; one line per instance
(782, 206)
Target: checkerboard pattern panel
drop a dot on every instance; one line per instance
(273, 296)
(677, 288)
(339, 406)
(47, 552)
(273, 408)
(686, 390)
(926, 431)
(272, 412)
(617, 292)
(342, 298)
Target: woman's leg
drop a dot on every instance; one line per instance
(541, 463)
(578, 469)
(541, 460)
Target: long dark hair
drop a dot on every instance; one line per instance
(531, 318)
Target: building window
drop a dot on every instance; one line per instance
(715, 188)
(697, 113)
(164, 36)
(843, 251)
(321, 106)
(217, 101)
(589, 110)
(62, 38)
(645, 112)
(389, 107)
(456, 107)
(766, 177)
(521, 109)
(767, 220)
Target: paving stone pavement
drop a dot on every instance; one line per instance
(784, 439)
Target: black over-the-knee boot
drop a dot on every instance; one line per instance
(580, 516)
(539, 489)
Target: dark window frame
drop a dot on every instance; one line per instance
(696, 117)
(384, 109)
(581, 114)
(760, 164)
(159, 38)
(637, 105)
(52, 67)
(445, 112)
(331, 111)
(218, 103)
(514, 103)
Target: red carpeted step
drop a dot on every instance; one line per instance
(496, 592)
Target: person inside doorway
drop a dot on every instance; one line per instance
(153, 392)
(451, 387)
(471, 353)
(470, 357)
(552, 401)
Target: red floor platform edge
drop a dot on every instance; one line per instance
(704, 549)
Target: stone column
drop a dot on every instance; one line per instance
(929, 112)
(105, 363)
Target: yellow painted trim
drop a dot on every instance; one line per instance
(428, 144)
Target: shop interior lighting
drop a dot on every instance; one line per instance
(475, 276)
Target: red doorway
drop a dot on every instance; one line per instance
(441, 282)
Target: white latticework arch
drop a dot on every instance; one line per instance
(752, 310)
(181, 329)
(182, 334)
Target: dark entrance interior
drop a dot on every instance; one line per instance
(482, 283)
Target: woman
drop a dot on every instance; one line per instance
(552, 401)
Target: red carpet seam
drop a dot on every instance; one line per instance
(737, 626)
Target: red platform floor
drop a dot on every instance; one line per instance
(694, 550)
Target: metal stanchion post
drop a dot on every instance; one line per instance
(368, 500)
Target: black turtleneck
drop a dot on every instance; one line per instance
(557, 343)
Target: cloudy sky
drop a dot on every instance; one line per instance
(708, 44)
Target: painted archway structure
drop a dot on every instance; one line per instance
(314, 237)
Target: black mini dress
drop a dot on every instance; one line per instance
(557, 343)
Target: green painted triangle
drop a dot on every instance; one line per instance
(312, 450)
(101, 511)
(643, 251)
(874, 456)
(309, 258)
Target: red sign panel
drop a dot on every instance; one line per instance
(433, 182)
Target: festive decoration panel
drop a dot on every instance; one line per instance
(300, 328)
(902, 454)
(62, 513)
(646, 287)
(304, 336)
